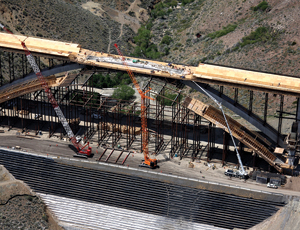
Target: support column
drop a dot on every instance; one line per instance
(209, 143)
(241, 151)
(254, 159)
(266, 108)
(298, 114)
(236, 94)
(225, 147)
(250, 101)
(280, 118)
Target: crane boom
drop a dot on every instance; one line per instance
(152, 163)
(51, 98)
(242, 170)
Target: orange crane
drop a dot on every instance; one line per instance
(148, 162)
(82, 152)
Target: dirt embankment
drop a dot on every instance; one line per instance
(20, 208)
(287, 217)
(293, 183)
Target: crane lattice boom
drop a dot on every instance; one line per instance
(148, 161)
(51, 98)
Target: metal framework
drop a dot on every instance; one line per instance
(173, 129)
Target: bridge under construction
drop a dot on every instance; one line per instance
(110, 120)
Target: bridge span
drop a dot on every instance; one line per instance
(204, 73)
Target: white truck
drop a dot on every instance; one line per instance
(238, 174)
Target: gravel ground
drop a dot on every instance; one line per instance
(20, 208)
(31, 214)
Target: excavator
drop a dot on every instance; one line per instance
(82, 150)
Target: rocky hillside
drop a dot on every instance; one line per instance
(258, 35)
(95, 25)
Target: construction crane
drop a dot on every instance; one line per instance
(81, 149)
(148, 162)
(241, 173)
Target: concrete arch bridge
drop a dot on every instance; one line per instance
(69, 56)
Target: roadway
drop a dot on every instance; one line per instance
(59, 149)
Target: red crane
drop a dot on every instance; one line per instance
(148, 162)
(80, 148)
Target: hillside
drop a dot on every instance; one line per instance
(229, 34)
(96, 25)
(173, 27)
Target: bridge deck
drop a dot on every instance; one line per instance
(203, 73)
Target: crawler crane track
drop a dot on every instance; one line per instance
(46, 176)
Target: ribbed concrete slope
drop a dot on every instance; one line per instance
(81, 214)
(135, 194)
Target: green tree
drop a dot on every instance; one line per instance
(143, 37)
(123, 92)
(166, 40)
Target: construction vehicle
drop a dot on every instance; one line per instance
(81, 149)
(238, 174)
(241, 173)
(147, 162)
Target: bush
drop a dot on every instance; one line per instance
(158, 10)
(167, 51)
(149, 25)
(166, 40)
(171, 3)
(45, 217)
(131, 13)
(123, 92)
(144, 46)
(29, 198)
(224, 31)
(110, 81)
(143, 37)
(184, 2)
(261, 34)
(261, 6)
